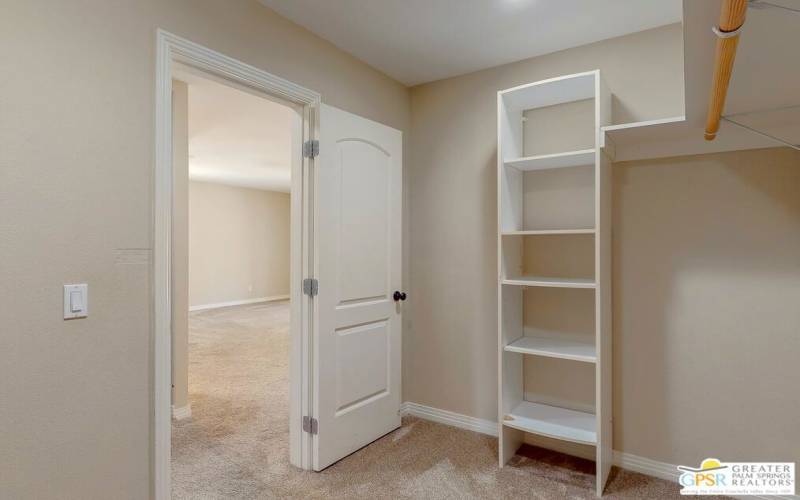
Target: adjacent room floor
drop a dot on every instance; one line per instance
(235, 445)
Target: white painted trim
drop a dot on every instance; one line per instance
(243, 302)
(654, 468)
(182, 413)
(627, 461)
(449, 418)
(162, 274)
(172, 49)
(669, 472)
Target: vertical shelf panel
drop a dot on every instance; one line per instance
(603, 292)
(509, 320)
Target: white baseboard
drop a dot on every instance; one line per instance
(669, 472)
(646, 466)
(182, 412)
(635, 463)
(203, 307)
(449, 418)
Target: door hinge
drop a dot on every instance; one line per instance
(311, 149)
(310, 425)
(310, 287)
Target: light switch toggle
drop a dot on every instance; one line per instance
(76, 301)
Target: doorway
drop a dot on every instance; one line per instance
(345, 266)
(176, 54)
(230, 275)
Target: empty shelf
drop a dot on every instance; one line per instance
(554, 422)
(552, 91)
(542, 232)
(558, 160)
(551, 282)
(674, 136)
(554, 348)
(645, 123)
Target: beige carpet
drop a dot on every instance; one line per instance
(235, 445)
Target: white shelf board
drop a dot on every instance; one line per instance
(553, 347)
(635, 131)
(544, 232)
(551, 282)
(552, 91)
(554, 422)
(558, 160)
(674, 136)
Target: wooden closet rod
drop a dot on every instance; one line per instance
(731, 19)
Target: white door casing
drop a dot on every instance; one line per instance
(171, 49)
(357, 326)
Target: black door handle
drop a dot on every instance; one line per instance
(399, 296)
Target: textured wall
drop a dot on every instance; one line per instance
(706, 318)
(76, 183)
(238, 243)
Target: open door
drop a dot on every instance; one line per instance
(357, 327)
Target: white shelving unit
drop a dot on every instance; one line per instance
(675, 136)
(554, 248)
(554, 347)
(550, 282)
(554, 422)
(543, 232)
(556, 160)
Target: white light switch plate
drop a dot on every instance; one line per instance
(76, 301)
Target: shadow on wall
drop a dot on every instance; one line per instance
(706, 290)
(622, 112)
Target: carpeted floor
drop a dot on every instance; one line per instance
(235, 445)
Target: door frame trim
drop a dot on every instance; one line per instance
(171, 49)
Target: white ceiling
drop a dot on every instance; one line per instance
(237, 138)
(417, 41)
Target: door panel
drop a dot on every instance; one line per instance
(363, 233)
(357, 328)
(361, 362)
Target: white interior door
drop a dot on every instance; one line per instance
(357, 332)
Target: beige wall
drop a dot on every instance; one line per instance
(238, 244)
(76, 164)
(450, 344)
(706, 318)
(180, 244)
(705, 266)
(76, 161)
